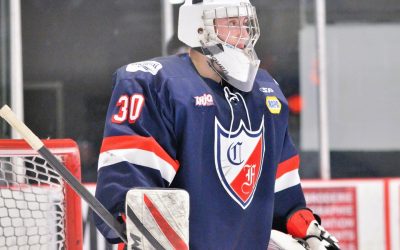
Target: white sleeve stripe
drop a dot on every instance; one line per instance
(287, 180)
(139, 157)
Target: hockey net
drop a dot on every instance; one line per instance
(38, 210)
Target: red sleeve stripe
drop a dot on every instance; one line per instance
(287, 166)
(138, 142)
(287, 174)
(138, 150)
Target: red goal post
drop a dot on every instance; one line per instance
(37, 207)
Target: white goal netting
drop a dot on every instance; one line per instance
(32, 203)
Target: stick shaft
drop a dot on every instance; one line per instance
(133, 217)
(96, 206)
(38, 145)
(22, 129)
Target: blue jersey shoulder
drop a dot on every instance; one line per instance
(160, 69)
(267, 84)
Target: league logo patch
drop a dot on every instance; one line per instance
(147, 66)
(273, 104)
(238, 160)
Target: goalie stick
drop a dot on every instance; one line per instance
(38, 146)
(96, 206)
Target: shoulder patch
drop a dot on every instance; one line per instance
(147, 66)
(273, 104)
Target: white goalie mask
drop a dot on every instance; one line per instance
(226, 31)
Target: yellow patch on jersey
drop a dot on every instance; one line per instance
(273, 104)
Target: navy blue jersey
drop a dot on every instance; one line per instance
(167, 126)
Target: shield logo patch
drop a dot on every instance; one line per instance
(238, 160)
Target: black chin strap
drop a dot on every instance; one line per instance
(210, 50)
(198, 49)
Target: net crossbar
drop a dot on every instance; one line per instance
(38, 210)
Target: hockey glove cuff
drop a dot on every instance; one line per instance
(305, 225)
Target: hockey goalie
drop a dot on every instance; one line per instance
(213, 124)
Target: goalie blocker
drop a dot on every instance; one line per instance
(163, 214)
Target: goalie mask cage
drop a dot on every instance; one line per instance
(38, 210)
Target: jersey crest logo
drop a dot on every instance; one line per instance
(147, 66)
(238, 160)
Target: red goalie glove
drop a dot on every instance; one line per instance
(298, 223)
(305, 225)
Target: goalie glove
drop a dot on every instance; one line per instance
(304, 224)
(282, 241)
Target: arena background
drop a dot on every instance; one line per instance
(69, 50)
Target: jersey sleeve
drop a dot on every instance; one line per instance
(288, 192)
(138, 148)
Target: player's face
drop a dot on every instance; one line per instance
(233, 30)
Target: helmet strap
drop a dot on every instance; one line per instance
(198, 49)
(210, 50)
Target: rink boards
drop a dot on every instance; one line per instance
(364, 214)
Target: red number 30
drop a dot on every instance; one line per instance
(129, 108)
